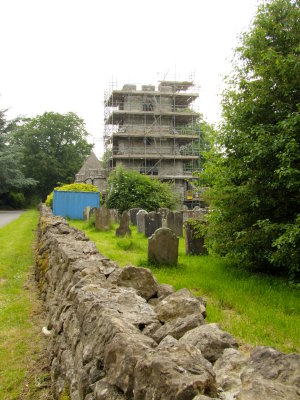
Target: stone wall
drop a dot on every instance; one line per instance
(117, 334)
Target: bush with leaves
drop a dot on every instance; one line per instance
(72, 187)
(13, 182)
(53, 147)
(256, 175)
(129, 189)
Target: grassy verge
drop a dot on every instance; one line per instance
(255, 308)
(23, 372)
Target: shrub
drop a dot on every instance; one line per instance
(129, 189)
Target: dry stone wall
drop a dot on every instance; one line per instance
(117, 334)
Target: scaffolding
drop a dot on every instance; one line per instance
(155, 131)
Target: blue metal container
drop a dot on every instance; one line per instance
(72, 204)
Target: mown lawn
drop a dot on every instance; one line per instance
(19, 337)
(255, 308)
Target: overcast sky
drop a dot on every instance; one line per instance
(60, 55)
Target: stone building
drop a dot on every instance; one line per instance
(93, 173)
(154, 132)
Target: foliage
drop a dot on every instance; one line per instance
(72, 187)
(53, 148)
(129, 189)
(12, 179)
(203, 145)
(106, 158)
(255, 171)
(199, 228)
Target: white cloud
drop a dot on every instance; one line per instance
(60, 55)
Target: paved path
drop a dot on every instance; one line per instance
(8, 216)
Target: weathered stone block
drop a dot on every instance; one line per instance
(194, 241)
(175, 222)
(92, 212)
(114, 215)
(176, 372)
(178, 327)
(124, 225)
(164, 212)
(141, 279)
(140, 218)
(153, 221)
(133, 213)
(163, 247)
(102, 222)
(179, 305)
(86, 213)
(210, 339)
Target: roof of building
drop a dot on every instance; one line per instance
(91, 162)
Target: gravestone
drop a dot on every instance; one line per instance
(175, 222)
(92, 212)
(114, 215)
(140, 218)
(197, 212)
(133, 212)
(164, 212)
(124, 225)
(86, 213)
(102, 221)
(153, 221)
(187, 214)
(163, 247)
(194, 243)
(184, 208)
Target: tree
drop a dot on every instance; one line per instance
(53, 148)
(129, 189)
(204, 144)
(12, 178)
(256, 174)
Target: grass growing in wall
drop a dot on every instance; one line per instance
(255, 308)
(19, 337)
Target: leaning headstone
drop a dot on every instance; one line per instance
(175, 222)
(194, 241)
(124, 225)
(133, 212)
(163, 247)
(140, 218)
(114, 215)
(102, 222)
(184, 208)
(153, 221)
(86, 213)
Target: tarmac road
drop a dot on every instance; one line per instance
(8, 216)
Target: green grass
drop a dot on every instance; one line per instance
(255, 308)
(17, 334)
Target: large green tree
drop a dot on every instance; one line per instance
(12, 178)
(53, 146)
(255, 195)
